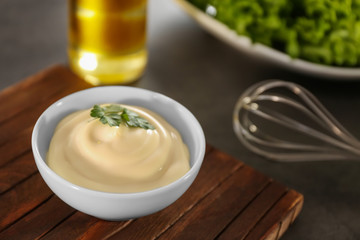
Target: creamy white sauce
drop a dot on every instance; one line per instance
(120, 159)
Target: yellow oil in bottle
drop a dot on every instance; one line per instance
(107, 40)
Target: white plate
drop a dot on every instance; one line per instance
(244, 44)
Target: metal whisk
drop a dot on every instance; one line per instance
(284, 122)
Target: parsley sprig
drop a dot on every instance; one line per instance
(114, 115)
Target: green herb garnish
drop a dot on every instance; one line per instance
(114, 115)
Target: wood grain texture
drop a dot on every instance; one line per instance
(228, 199)
(245, 222)
(16, 171)
(38, 223)
(23, 198)
(213, 214)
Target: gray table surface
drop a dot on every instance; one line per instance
(206, 76)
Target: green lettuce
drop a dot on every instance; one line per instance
(320, 31)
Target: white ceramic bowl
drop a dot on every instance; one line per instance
(118, 206)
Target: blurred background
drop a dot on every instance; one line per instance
(207, 76)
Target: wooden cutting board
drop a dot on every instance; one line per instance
(228, 200)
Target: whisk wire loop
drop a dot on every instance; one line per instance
(261, 101)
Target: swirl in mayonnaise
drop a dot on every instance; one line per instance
(120, 159)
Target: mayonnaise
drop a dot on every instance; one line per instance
(119, 159)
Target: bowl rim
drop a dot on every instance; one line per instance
(40, 162)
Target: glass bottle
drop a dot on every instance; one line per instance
(107, 40)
